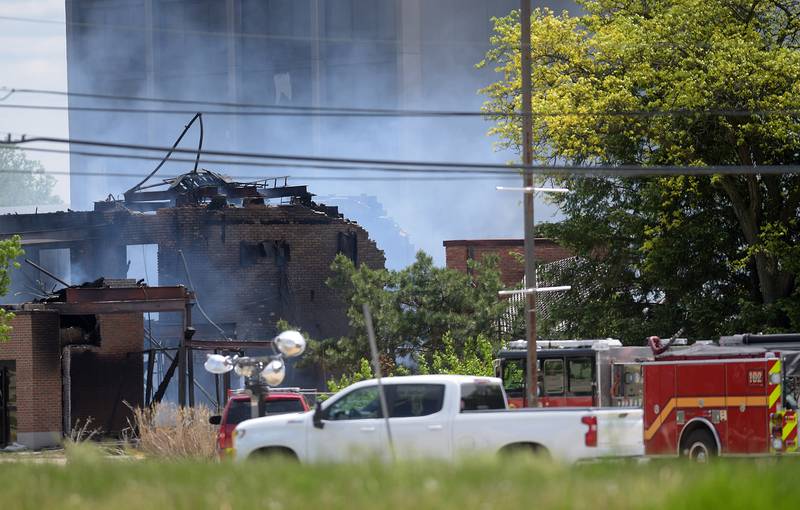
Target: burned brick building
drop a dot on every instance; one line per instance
(76, 358)
(251, 254)
(250, 262)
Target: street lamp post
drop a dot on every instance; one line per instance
(260, 372)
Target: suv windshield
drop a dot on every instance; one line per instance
(481, 397)
(239, 410)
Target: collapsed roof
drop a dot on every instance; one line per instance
(201, 186)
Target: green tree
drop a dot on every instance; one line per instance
(363, 373)
(10, 249)
(414, 309)
(24, 181)
(713, 253)
(474, 358)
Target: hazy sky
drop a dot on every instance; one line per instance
(33, 55)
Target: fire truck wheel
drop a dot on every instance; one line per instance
(699, 446)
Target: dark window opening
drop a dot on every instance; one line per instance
(8, 402)
(79, 330)
(264, 252)
(347, 244)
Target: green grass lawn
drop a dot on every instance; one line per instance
(88, 481)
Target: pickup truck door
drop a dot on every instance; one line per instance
(418, 420)
(353, 428)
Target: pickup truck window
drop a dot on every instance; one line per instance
(481, 397)
(360, 404)
(553, 376)
(239, 410)
(408, 400)
(580, 376)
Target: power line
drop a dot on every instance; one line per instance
(327, 109)
(244, 35)
(241, 178)
(232, 113)
(320, 111)
(399, 165)
(288, 164)
(178, 160)
(410, 166)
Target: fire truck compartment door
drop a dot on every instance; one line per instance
(701, 392)
(746, 387)
(660, 433)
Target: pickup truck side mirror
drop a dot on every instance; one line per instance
(215, 420)
(317, 419)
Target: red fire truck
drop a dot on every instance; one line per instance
(575, 372)
(737, 396)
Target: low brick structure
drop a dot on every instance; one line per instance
(32, 357)
(51, 385)
(512, 270)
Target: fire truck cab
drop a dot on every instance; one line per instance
(735, 397)
(582, 373)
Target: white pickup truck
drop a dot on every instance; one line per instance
(438, 416)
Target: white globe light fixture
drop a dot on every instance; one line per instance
(243, 370)
(218, 364)
(260, 372)
(291, 343)
(274, 372)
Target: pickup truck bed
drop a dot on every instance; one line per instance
(560, 431)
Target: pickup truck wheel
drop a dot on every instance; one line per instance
(526, 449)
(699, 446)
(280, 454)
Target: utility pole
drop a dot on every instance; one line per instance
(527, 161)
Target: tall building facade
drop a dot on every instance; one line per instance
(343, 53)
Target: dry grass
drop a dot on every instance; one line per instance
(167, 431)
(85, 432)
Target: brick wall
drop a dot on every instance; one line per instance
(103, 379)
(253, 295)
(34, 347)
(457, 253)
